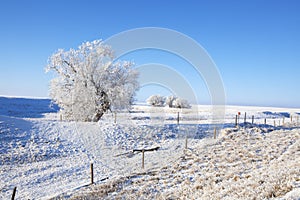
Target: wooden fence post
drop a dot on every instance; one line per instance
(215, 133)
(143, 158)
(186, 142)
(236, 120)
(265, 121)
(245, 117)
(252, 119)
(177, 118)
(14, 193)
(283, 121)
(274, 123)
(92, 173)
(291, 118)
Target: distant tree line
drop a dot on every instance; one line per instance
(171, 101)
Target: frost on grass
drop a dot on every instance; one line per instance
(242, 164)
(48, 158)
(23, 141)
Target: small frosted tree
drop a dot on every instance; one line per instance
(180, 103)
(89, 82)
(156, 100)
(170, 100)
(175, 102)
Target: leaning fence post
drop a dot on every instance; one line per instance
(14, 193)
(92, 173)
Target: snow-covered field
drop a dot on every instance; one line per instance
(46, 158)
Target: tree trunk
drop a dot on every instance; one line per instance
(97, 116)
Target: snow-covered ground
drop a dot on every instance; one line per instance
(46, 158)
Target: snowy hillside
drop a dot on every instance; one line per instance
(241, 164)
(25, 107)
(46, 158)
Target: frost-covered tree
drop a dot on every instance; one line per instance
(156, 100)
(89, 82)
(170, 100)
(175, 102)
(180, 103)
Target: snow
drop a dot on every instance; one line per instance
(47, 158)
(90, 81)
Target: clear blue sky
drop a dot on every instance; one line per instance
(254, 43)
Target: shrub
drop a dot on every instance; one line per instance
(156, 100)
(180, 103)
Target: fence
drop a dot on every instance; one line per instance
(180, 119)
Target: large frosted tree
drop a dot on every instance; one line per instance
(89, 82)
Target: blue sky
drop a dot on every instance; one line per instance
(255, 44)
